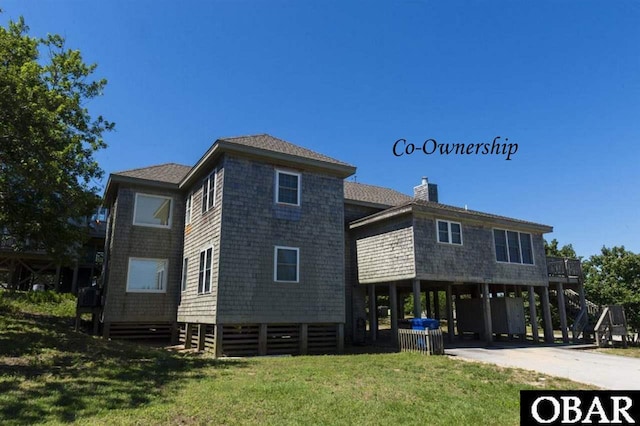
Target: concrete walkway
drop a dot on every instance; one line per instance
(604, 371)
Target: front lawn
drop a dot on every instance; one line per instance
(50, 374)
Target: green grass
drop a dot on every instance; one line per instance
(49, 374)
(38, 302)
(631, 351)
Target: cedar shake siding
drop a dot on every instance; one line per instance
(402, 243)
(201, 234)
(475, 259)
(253, 224)
(126, 240)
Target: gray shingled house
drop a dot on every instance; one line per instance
(262, 247)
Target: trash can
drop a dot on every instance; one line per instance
(425, 324)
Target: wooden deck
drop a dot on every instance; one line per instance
(564, 270)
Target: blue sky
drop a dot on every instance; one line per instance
(559, 78)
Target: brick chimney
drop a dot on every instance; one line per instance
(426, 191)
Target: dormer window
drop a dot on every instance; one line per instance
(288, 187)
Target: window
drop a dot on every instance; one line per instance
(513, 247)
(152, 210)
(209, 192)
(286, 264)
(204, 272)
(147, 275)
(185, 269)
(449, 232)
(187, 209)
(288, 187)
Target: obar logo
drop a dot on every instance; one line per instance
(579, 407)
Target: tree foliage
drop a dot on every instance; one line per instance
(48, 173)
(613, 278)
(551, 249)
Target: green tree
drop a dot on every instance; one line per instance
(613, 278)
(48, 173)
(552, 249)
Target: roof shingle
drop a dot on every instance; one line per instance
(374, 194)
(269, 143)
(169, 173)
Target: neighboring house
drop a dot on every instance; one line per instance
(262, 247)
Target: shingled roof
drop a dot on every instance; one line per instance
(169, 173)
(416, 205)
(274, 150)
(269, 143)
(371, 194)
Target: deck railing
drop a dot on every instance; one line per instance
(564, 267)
(428, 342)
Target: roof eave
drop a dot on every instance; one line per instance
(114, 180)
(411, 207)
(367, 204)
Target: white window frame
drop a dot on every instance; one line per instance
(204, 271)
(275, 264)
(164, 275)
(208, 199)
(520, 260)
(151, 225)
(185, 271)
(277, 190)
(188, 209)
(449, 234)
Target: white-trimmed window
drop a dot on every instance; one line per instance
(187, 209)
(152, 210)
(185, 269)
(204, 271)
(449, 232)
(286, 264)
(147, 275)
(288, 187)
(209, 191)
(513, 247)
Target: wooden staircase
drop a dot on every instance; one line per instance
(612, 322)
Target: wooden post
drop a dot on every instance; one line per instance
(400, 305)
(450, 328)
(486, 314)
(417, 303)
(106, 329)
(562, 309)
(304, 339)
(262, 339)
(217, 341)
(546, 315)
(393, 301)
(95, 318)
(74, 280)
(56, 286)
(340, 336)
(436, 304)
(202, 329)
(188, 332)
(518, 291)
(427, 296)
(533, 314)
(373, 313)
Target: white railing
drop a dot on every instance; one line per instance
(429, 342)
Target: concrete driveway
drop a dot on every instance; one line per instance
(605, 371)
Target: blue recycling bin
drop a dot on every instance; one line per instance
(424, 324)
